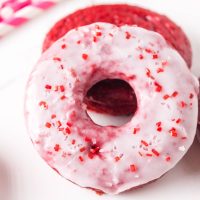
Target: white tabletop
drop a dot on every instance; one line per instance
(30, 177)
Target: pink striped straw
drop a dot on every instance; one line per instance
(14, 13)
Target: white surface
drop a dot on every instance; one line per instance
(31, 178)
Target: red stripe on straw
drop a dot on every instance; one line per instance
(17, 21)
(44, 5)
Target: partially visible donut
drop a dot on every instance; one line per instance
(111, 159)
(122, 14)
(115, 98)
(198, 124)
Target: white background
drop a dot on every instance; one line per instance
(29, 176)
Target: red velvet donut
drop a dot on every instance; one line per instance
(121, 14)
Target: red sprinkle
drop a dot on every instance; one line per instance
(144, 143)
(132, 77)
(63, 97)
(159, 129)
(111, 34)
(155, 152)
(168, 158)
(53, 116)
(48, 125)
(69, 124)
(81, 158)
(173, 132)
(68, 131)
(158, 124)
(78, 42)
(135, 130)
(63, 46)
(148, 50)
(117, 158)
(159, 70)
(165, 97)
(158, 87)
(191, 96)
(57, 147)
(82, 149)
(184, 138)
(57, 59)
(58, 123)
(94, 149)
(149, 154)
(48, 87)
(99, 192)
(94, 39)
(175, 94)
(148, 73)
(62, 88)
(183, 104)
(133, 168)
(155, 56)
(141, 57)
(88, 139)
(98, 34)
(84, 56)
(73, 141)
(43, 104)
(90, 155)
(178, 121)
(128, 35)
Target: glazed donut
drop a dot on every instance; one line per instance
(115, 97)
(111, 159)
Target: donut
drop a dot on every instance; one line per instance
(122, 14)
(116, 93)
(111, 159)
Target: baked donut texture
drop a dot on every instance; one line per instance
(122, 14)
(111, 159)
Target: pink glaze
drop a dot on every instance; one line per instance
(111, 159)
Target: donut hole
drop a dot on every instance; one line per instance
(111, 102)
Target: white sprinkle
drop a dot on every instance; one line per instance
(108, 184)
(137, 176)
(115, 180)
(102, 150)
(182, 148)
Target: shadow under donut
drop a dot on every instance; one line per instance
(191, 161)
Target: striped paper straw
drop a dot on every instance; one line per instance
(14, 13)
